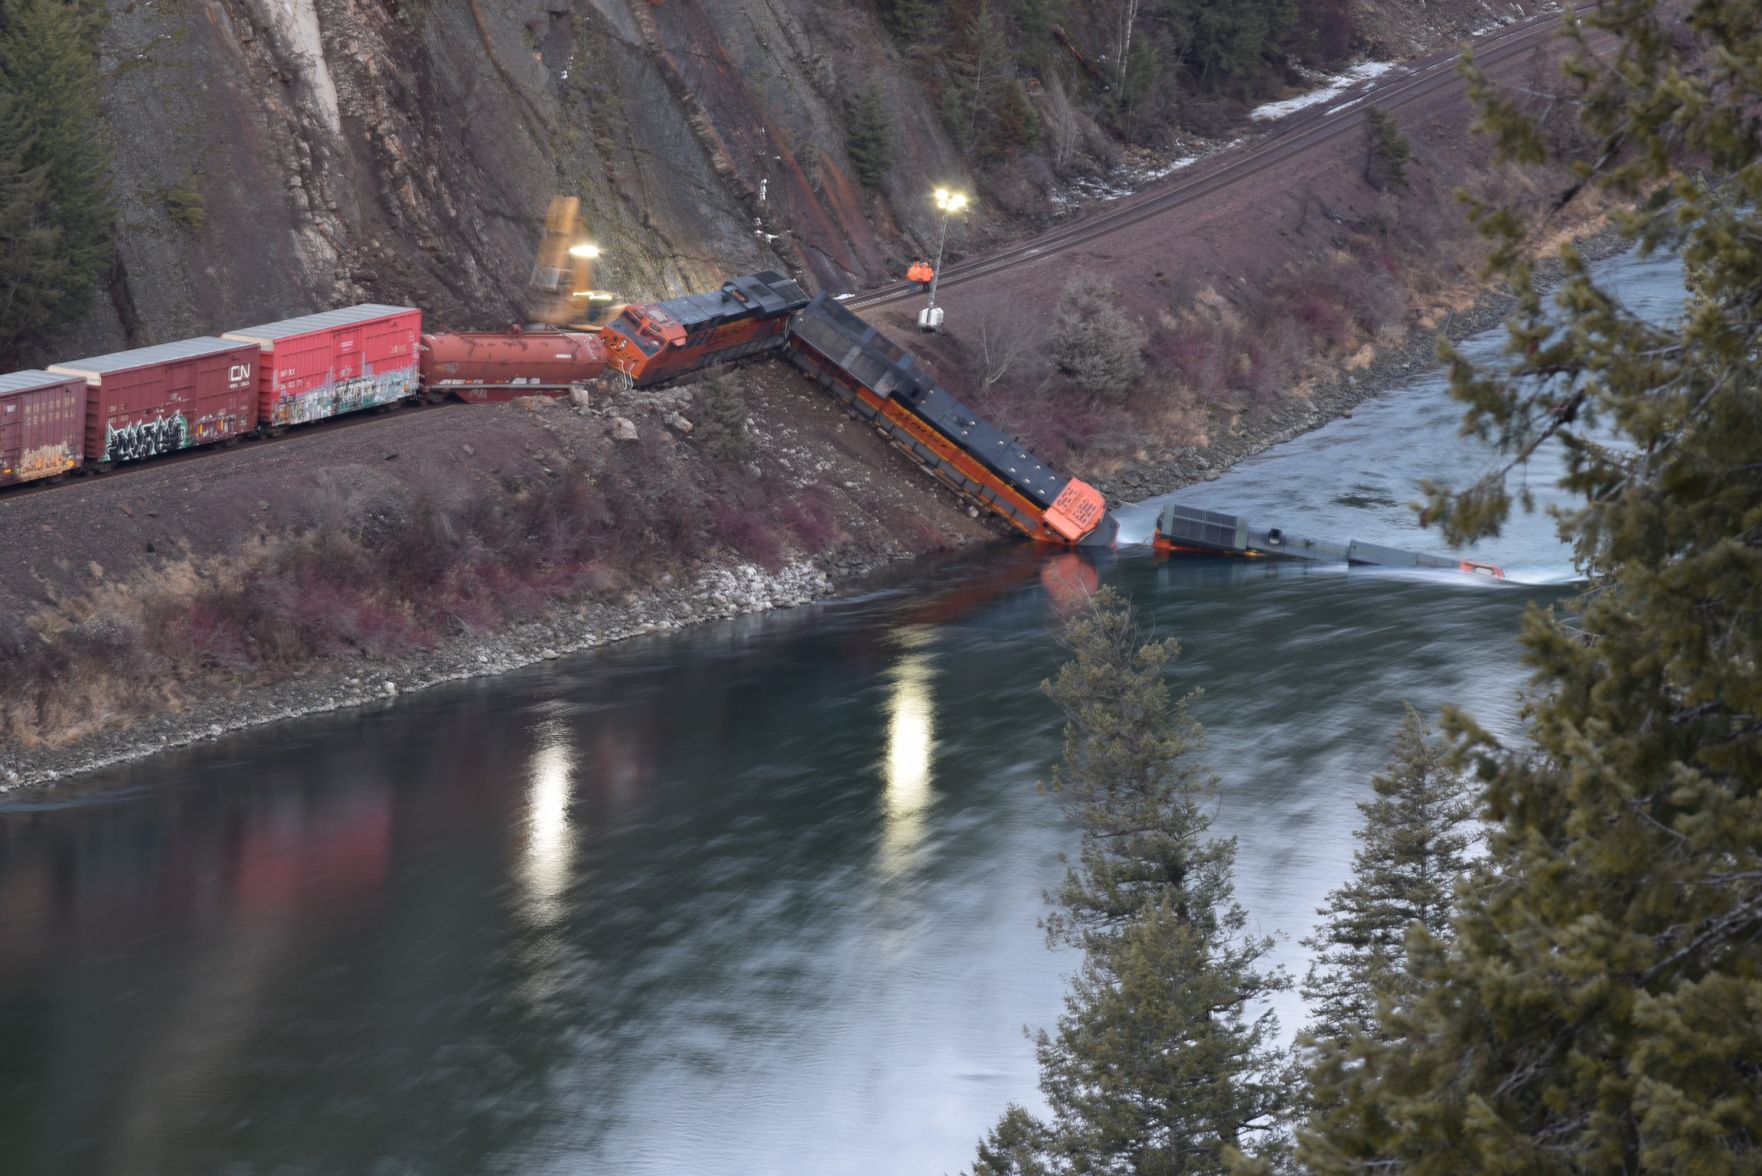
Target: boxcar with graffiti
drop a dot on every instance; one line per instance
(338, 361)
(42, 425)
(155, 400)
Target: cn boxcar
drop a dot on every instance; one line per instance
(42, 425)
(488, 366)
(337, 361)
(658, 341)
(154, 400)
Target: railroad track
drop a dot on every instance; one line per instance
(1297, 135)
(246, 443)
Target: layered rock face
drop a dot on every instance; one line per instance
(278, 156)
(275, 157)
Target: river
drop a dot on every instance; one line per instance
(758, 897)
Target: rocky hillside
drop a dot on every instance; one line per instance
(277, 156)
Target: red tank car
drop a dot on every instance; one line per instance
(490, 366)
(653, 342)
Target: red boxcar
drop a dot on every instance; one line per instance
(42, 425)
(322, 365)
(158, 399)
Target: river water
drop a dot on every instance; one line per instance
(760, 897)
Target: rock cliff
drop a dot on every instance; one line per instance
(278, 156)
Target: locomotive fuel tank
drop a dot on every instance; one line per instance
(488, 366)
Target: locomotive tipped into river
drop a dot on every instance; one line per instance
(1187, 530)
(267, 378)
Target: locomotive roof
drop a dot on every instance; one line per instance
(30, 378)
(324, 319)
(769, 292)
(887, 370)
(122, 361)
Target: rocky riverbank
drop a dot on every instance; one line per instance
(730, 590)
(1336, 397)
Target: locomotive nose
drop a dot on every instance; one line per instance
(1103, 537)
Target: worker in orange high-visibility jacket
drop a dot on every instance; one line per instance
(921, 273)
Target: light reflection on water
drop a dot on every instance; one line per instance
(758, 897)
(911, 741)
(550, 849)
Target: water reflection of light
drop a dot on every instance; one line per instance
(549, 839)
(911, 742)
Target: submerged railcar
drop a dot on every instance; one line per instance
(1190, 530)
(882, 384)
(651, 343)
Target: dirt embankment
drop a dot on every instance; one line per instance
(160, 605)
(1264, 305)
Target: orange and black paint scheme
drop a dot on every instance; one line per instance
(882, 384)
(653, 342)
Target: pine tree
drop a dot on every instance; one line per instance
(913, 23)
(1413, 847)
(30, 264)
(1596, 1008)
(870, 144)
(1385, 164)
(1092, 341)
(981, 68)
(48, 71)
(1157, 1064)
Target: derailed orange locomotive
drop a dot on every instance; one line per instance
(876, 380)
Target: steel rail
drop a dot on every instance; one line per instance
(246, 443)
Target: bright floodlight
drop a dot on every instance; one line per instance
(949, 201)
(585, 249)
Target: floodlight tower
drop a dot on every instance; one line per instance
(950, 202)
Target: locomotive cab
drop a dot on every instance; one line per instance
(639, 334)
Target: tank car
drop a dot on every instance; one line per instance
(490, 366)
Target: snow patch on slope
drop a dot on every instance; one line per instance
(1336, 85)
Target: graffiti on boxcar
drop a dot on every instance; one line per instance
(146, 438)
(45, 461)
(346, 396)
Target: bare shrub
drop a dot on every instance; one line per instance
(1064, 126)
(1273, 354)
(1093, 343)
(748, 534)
(1372, 295)
(1003, 341)
(1199, 354)
(810, 518)
(1325, 319)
